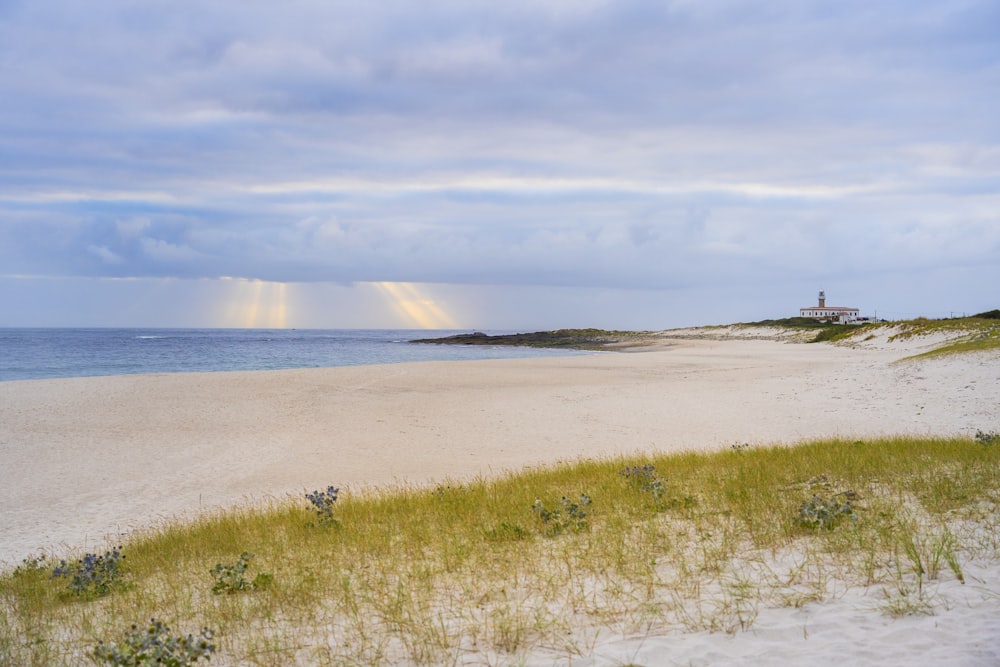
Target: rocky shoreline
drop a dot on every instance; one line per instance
(577, 339)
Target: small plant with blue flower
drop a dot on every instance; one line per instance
(987, 437)
(92, 575)
(569, 516)
(153, 645)
(644, 478)
(820, 512)
(323, 502)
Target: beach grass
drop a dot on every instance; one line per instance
(547, 561)
(966, 334)
(983, 340)
(960, 335)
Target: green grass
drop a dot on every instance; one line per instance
(825, 331)
(792, 323)
(922, 326)
(968, 334)
(977, 333)
(467, 571)
(981, 335)
(578, 339)
(974, 343)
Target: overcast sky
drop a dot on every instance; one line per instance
(516, 164)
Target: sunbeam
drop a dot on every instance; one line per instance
(257, 304)
(416, 307)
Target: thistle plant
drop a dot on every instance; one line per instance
(92, 575)
(322, 503)
(570, 516)
(987, 438)
(152, 645)
(819, 512)
(643, 472)
(231, 579)
(645, 478)
(31, 564)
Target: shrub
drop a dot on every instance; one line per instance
(645, 479)
(820, 512)
(322, 503)
(570, 515)
(31, 564)
(987, 438)
(230, 579)
(92, 575)
(644, 472)
(154, 646)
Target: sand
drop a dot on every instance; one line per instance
(87, 460)
(964, 631)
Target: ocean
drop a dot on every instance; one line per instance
(32, 354)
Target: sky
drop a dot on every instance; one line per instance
(495, 165)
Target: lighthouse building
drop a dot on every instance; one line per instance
(838, 314)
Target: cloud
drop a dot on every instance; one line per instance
(104, 254)
(600, 145)
(164, 251)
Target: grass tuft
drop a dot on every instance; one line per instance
(543, 561)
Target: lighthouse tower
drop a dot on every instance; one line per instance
(825, 313)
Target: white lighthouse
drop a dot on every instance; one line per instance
(821, 311)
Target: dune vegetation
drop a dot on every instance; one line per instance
(967, 334)
(542, 562)
(978, 332)
(962, 334)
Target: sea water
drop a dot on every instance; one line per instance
(30, 354)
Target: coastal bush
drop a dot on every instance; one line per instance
(792, 322)
(987, 438)
(569, 516)
(31, 564)
(820, 512)
(153, 645)
(645, 479)
(92, 575)
(322, 503)
(231, 579)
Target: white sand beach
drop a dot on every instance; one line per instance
(87, 460)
